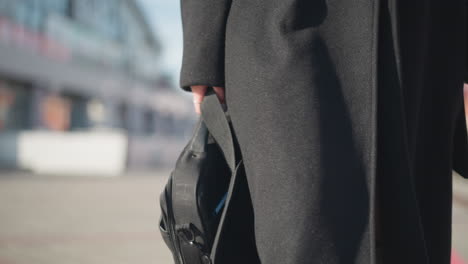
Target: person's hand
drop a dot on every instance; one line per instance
(199, 92)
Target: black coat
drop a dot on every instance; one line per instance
(349, 116)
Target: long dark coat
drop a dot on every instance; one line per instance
(349, 116)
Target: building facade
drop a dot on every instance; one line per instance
(87, 65)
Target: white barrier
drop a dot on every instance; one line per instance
(66, 153)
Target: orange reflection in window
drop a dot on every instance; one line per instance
(56, 113)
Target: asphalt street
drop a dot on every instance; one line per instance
(96, 220)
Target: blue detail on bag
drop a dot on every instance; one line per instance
(221, 203)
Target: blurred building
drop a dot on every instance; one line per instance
(74, 69)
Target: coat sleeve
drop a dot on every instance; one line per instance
(466, 43)
(460, 147)
(203, 26)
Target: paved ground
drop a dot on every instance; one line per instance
(91, 220)
(64, 220)
(460, 217)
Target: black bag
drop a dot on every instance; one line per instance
(204, 191)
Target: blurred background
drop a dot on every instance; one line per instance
(91, 122)
(89, 81)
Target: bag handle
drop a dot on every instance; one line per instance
(216, 120)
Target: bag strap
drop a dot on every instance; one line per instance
(216, 120)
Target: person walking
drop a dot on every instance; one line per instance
(349, 116)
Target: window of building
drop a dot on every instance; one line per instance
(149, 121)
(15, 106)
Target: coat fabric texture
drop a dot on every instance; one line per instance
(349, 116)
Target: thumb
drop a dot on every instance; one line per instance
(198, 94)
